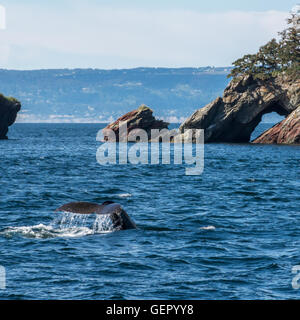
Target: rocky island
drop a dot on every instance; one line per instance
(141, 118)
(9, 107)
(233, 117)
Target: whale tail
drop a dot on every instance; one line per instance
(118, 215)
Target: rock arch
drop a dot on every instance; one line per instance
(234, 117)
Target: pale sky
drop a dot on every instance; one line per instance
(108, 34)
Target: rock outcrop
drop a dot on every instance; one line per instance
(9, 107)
(285, 132)
(234, 117)
(140, 118)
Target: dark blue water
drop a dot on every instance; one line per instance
(231, 233)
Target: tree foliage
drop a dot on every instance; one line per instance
(282, 56)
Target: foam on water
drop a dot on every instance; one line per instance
(208, 228)
(124, 195)
(65, 224)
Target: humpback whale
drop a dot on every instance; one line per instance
(119, 217)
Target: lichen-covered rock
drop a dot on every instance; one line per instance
(234, 117)
(9, 107)
(140, 118)
(285, 132)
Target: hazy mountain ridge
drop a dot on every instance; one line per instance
(94, 95)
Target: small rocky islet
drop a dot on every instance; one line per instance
(9, 108)
(141, 118)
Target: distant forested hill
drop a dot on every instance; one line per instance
(93, 95)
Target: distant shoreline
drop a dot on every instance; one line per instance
(104, 123)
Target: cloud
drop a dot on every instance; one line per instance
(103, 37)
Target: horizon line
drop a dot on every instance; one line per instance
(110, 69)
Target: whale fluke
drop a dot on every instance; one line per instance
(118, 215)
(81, 207)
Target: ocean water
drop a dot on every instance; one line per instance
(231, 233)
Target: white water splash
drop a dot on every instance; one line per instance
(37, 231)
(42, 231)
(208, 228)
(125, 195)
(65, 225)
